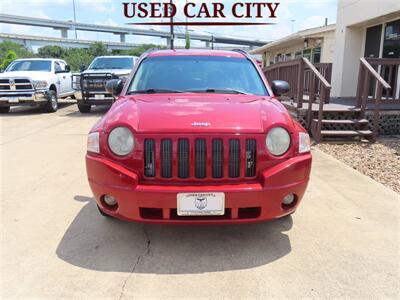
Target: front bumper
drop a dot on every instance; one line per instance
(244, 203)
(23, 98)
(94, 98)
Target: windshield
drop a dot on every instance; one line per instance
(211, 74)
(111, 63)
(30, 65)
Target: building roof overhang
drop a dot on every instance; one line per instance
(293, 38)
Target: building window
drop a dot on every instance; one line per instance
(298, 54)
(391, 43)
(288, 56)
(307, 54)
(316, 55)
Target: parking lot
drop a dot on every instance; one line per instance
(342, 242)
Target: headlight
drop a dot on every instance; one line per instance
(278, 141)
(93, 144)
(39, 84)
(121, 141)
(304, 142)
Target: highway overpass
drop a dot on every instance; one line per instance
(33, 42)
(65, 26)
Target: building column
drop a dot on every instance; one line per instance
(168, 42)
(64, 33)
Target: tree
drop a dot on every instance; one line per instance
(19, 50)
(51, 52)
(76, 58)
(7, 59)
(98, 49)
(136, 51)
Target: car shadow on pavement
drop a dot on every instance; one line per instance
(32, 110)
(104, 244)
(95, 111)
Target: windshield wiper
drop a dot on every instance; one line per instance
(154, 91)
(219, 91)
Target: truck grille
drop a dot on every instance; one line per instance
(225, 158)
(18, 84)
(95, 82)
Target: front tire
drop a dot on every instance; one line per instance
(4, 110)
(52, 104)
(84, 108)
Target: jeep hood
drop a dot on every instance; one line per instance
(33, 75)
(195, 113)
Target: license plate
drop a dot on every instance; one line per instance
(99, 96)
(13, 100)
(201, 204)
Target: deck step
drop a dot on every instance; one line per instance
(354, 121)
(346, 133)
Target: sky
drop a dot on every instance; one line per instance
(292, 15)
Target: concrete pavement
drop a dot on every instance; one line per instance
(342, 242)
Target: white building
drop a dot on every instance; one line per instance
(316, 44)
(363, 29)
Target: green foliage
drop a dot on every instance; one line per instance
(75, 57)
(98, 49)
(10, 51)
(7, 59)
(52, 52)
(187, 41)
(136, 51)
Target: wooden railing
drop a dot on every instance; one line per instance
(299, 75)
(371, 83)
(316, 79)
(291, 71)
(326, 71)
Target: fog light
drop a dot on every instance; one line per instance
(287, 200)
(110, 200)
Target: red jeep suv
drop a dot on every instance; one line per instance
(197, 137)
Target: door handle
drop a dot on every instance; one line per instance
(63, 77)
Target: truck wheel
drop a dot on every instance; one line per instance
(84, 108)
(103, 213)
(52, 103)
(4, 109)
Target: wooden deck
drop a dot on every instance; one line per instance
(339, 105)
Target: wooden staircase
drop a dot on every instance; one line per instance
(357, 129)
(354, 126)
(307, 79)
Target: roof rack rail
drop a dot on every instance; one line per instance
(240, 51)
(151, 50)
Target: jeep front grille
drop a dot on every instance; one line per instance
(199, 158)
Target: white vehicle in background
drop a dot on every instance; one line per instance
(90, 84)
(35, 82)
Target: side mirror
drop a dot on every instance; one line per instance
(114, 87)
(67, 68)
(280, 87)
(82, 68)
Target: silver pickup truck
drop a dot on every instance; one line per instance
(35, 82)
(90, 84)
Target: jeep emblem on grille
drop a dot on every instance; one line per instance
(201, 124)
